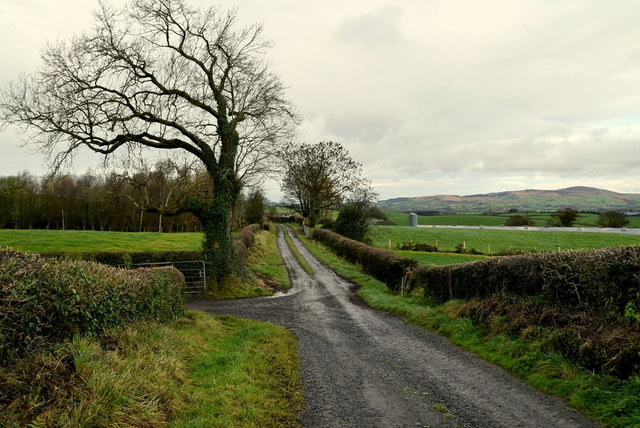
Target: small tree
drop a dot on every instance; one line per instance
(254, 207)
(353, 218)
(519, 220)
(565, 218)
(318, 177)
(612, 219)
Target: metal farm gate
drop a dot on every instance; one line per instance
(194, 272)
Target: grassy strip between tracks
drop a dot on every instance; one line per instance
(613, 401)
(296, 254)
(200, 371)
(265, 259)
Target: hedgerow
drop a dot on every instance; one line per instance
(128, 258)
(51, 300)
(604, 281)
(382, 264)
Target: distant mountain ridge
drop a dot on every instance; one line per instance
(580, 198)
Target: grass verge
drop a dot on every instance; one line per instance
(198, 371)
(613, 401)
(267, 272)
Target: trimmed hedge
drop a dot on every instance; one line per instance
(384, 265)
(51, 300)
(125, 258)
(604, 281)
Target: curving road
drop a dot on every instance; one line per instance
(364, 368)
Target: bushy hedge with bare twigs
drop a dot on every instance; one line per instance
(128, 258)
(51, 300)
(605, 281)
(381, 264)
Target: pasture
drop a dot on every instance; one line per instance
(81, 241)
(493, 241)
(540, 219)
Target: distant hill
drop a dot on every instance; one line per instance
(579, 198)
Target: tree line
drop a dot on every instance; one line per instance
(111, 201)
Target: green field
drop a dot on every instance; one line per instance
(439, 259)
(540, 219)
(493, 241)
(92, 241)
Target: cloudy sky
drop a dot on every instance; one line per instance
(432, 97)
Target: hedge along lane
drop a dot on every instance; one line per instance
(603, 281)
(366, 368)
(50, 300)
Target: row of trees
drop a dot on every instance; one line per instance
(113, 201)
(568, 216)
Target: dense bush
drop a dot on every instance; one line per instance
(382, 264)
(246, 236)
(602, 344)
(418, 246)
(50, 300)
(612, 219)
(126, 258)
(605, 281)
(519, 220)
(243, 241)
(353, 221)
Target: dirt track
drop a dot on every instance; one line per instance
(364, 368)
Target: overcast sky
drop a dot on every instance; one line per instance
(432, 97)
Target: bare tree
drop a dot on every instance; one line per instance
(163, 75)
(318, 177)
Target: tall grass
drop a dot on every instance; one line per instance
(197, 371)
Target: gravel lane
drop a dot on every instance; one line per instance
(365, 368)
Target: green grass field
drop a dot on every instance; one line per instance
(540, 219)
(439, 259)
(493, 241)
(92, 241)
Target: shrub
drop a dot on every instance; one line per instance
(353, 220)
(51, 300)
(419, 246)
(604, 281)
(245, 238)
(612, 219)
(381, 264)
(519, 220)
(129, 258)
(608, 345)
(243, 241)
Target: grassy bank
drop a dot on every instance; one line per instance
(197, 371)
(266, 275)
(613, 401)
